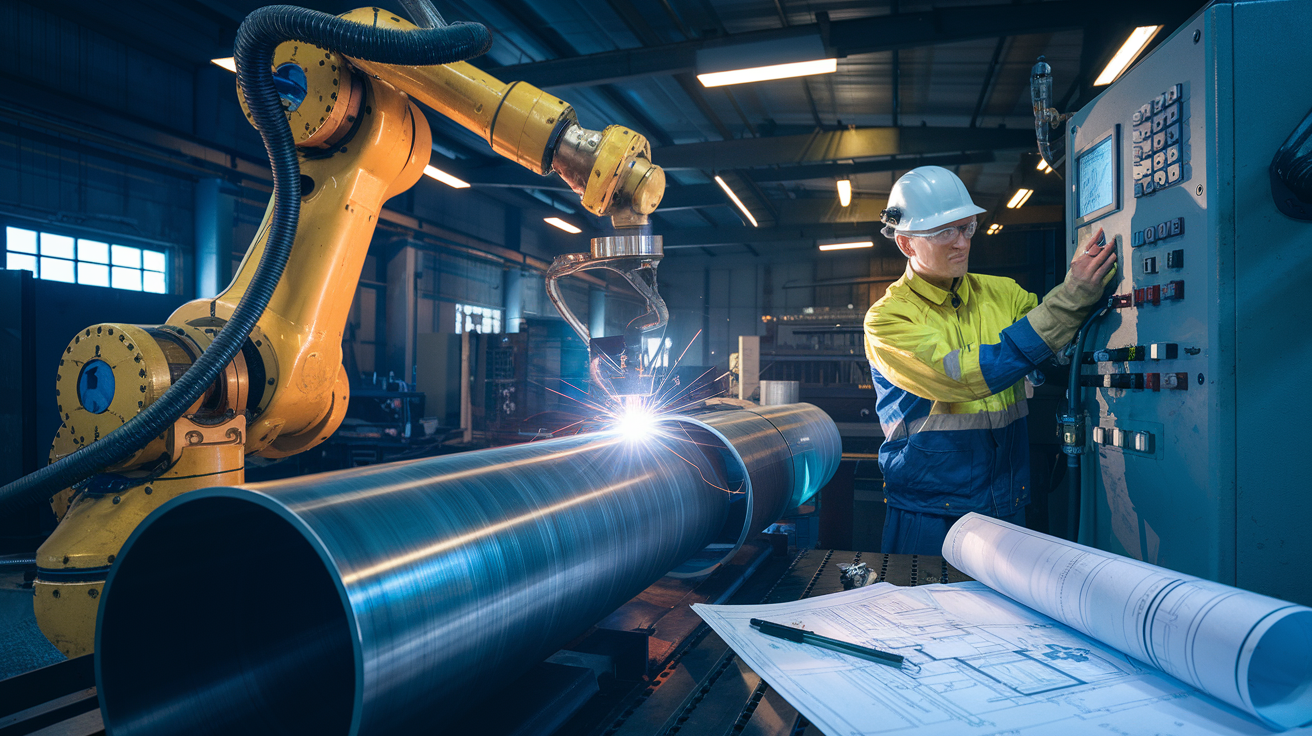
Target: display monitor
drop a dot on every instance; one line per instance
(1096, 180)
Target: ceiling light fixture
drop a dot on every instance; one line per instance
(848, 246)
(1129, 50)
(229, 63)
(766, 73)
(1043, 166)
(1021, 196)
(994, 229)
(845, 192)
(445, 178)
(735, 199)
(556, 221)
(799, 53)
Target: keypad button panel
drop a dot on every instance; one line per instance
(1159, 155)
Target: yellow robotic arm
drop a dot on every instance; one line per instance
(360, 140)
(610, 170)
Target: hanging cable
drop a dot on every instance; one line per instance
(257, 38)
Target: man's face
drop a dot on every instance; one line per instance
(936, 260)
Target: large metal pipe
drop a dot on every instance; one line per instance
(380, 600)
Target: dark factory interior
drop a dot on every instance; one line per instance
(654, 367)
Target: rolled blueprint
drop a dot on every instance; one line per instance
(1249, 650)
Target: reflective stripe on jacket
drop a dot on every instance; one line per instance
(948, 368)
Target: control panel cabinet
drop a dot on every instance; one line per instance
(1198, 456)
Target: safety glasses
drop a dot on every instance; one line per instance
(947, 235)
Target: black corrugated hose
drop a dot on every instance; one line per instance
(1293, 161)
(257, 38)
(1074, 460)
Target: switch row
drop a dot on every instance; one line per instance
(1160, 231)
(1156, 351)
(1153, 295)
(1158, 293)
(1139, 441)
(1144, 381)
(1174, 259)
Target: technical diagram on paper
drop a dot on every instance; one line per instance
(976, 663)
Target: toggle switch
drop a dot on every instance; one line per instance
(1175, 259)
(1175, 381)
(1141, 442)
(1152, 381)
(1134, 352)
(1121, 301)
(1125, 380)
(1099, 436)
(1172, 290)
(1150, 264)
(1163, 351)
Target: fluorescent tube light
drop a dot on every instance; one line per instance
(1043, 166)
(1021, 196)
(735, 199)
(445, 178)
(764, 73)
(847, 246)
(229, 63)
(844, 192)
(562, 225)
(1139, 38)
(994, 229)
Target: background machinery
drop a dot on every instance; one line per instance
(150, 413)
(1192, 459)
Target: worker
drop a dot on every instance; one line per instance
(949, 351)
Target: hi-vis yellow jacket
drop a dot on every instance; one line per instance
(948, 368)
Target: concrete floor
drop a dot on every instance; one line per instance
(22, 645)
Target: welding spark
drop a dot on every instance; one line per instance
(635, 422)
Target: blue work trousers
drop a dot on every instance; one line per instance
(914, 533)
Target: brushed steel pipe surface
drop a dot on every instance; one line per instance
(774, 393)
(383, 599)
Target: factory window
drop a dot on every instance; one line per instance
(470, 318)
(658, 352)
(56, 257)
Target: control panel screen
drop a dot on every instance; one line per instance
(1096, 177)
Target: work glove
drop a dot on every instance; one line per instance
(1059, 316)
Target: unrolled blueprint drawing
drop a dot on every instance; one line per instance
(991, 659)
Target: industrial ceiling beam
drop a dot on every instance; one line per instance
(783, 211)
(692, 196)
(838, 170)
(798, 220)
(1031, 215)
(710, 237)
(852, 144)
(844, 37)
(639, 27)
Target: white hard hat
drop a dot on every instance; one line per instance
(924, 199)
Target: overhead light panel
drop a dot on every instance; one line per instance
(735, 199)
(845, 192)
(228, 63)
(1021, 196)
(1128, 52)
(556, 221)
(445, 178)
(1043, 166)
(848, 246)
(994, 229)
(800, 54)
(766, 73)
